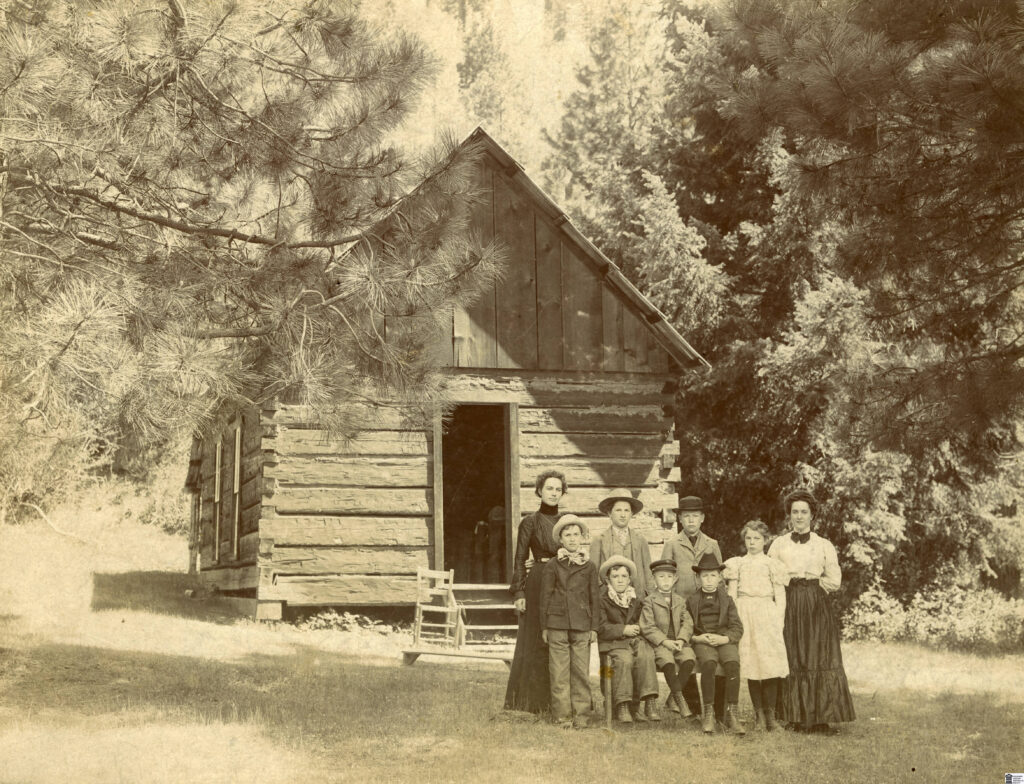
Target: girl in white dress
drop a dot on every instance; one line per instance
(758, 585)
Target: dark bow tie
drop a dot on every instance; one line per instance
(800, 538)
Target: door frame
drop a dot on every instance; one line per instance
(510, 419)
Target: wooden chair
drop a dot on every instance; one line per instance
(451, 635)
(435, 599)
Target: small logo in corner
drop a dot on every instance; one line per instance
(1013, 778)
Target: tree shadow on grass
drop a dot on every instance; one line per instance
(158, 592)
(416, 721)
(310, 694)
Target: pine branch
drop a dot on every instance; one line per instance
(24, 178)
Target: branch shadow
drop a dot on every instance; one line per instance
(158, 592)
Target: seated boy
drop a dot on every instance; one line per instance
(666, 625)
(618, 634)
(716, 631)
(569, 602)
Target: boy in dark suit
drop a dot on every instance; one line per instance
(716, 631)
(618, 634)
(569, 607)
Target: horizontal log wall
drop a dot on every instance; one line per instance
(348, 521)
(603, 431)
(345, 520)
(298, 591)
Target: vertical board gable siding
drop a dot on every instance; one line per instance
(516, 299)
(551, 309)
(549, 294)
(612, 314)
(582, 304)
(474, 328)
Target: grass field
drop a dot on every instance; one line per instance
(108, 674)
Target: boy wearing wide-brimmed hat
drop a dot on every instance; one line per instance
(717, 630)
(569, 608)
(620, 539)
(631, 659)
(667, 627)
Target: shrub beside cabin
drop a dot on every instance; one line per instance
(564, 364)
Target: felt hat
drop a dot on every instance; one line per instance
(664, 565)
(496, 514)
(690, 503)
(618, 560)
(565, 520)
(619, 494)
(708, 563)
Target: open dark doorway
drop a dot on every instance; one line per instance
(475, 527)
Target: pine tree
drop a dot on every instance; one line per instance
(606, 162)
(815, 382)
(906, 127)
(199, 203)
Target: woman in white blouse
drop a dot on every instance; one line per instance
(815, 694)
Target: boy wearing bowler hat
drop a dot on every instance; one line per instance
(619, 539)
(690, 545)
(631, 659)
(717, 630)
(667, 627)
(569, 606)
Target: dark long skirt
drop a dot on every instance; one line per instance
(816, 691)
(528, 686)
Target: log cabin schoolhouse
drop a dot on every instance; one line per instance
(564, 364)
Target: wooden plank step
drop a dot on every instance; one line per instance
(409, 655)
(481, 586)
(485, 627)
(471, 606)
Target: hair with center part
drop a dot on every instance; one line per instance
(800, 495)
(545, 476)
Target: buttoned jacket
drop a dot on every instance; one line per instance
(686, 555)
(601, 551)
(569, 596)
(729, 622)
(661, 615)
(612, 621)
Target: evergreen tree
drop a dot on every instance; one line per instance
(816, 380)
(199, 204)
(605, 162)
(906, 126)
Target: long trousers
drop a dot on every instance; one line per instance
(569, 669)
(633, 673)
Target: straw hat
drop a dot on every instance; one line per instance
(565, 520)
(618, 560)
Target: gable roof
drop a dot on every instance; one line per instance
(664, 333)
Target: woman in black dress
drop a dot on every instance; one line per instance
(528, 685)
(816, 694)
